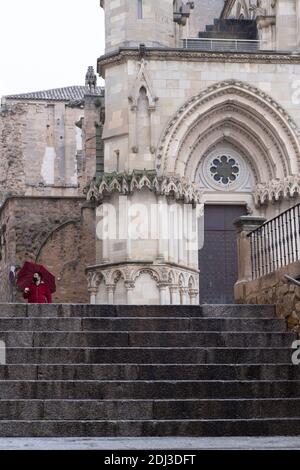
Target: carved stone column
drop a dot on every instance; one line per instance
(162, 212)
(163, 294)
(184, 296)
(93, 294)
(129, 290)
(110, 293)
(175, 297)
(194, 296)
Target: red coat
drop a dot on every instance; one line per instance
(38, 294)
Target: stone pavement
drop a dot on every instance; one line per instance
(168, 443)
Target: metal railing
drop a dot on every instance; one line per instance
(276, 243)
(292, 280)
(222, 45)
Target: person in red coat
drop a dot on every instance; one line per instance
(37, 292)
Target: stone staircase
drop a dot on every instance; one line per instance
(82, 370)
(230, 29)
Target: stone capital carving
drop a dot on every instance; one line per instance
(277, 189)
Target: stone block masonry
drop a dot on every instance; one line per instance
(95, 371)
(52, 231)
(12, 173)
(275, 289)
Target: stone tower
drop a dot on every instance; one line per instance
(129, 23)
(142, 216)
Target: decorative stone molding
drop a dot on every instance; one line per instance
(249, 172)
(143, 80)
(126, 184)
(276, 190)
(228, 122)
(124, 54)
(172, 283)
(255, 114)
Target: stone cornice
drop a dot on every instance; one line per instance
(132, 53)
(126, 184)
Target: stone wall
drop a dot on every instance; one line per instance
(127, 25)
(275, 289)
(12, 157)
(53, 231)
(39, 143)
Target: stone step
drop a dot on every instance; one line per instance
(68, 310)
(90, 370)
(149, 409)
(102, 390)
(149, 355)
(143, 324)
(239, 311)
(213, 34)
(151, 428)
(149, 372)
(146, 338)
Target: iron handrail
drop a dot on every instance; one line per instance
(272, 220)
(276, 243)
(292, 280)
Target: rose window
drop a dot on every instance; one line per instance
(224, 170)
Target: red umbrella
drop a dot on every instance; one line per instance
(24, 278)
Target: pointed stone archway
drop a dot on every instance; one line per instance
(231, 111)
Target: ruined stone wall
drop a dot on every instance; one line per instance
(275, 289)
(51, 231)
(12, 150)
(38, 148)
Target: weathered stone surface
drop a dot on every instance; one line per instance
(147, 381)
(58, 234)
(12, 144)
(280, 292)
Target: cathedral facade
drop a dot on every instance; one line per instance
(201, 127)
